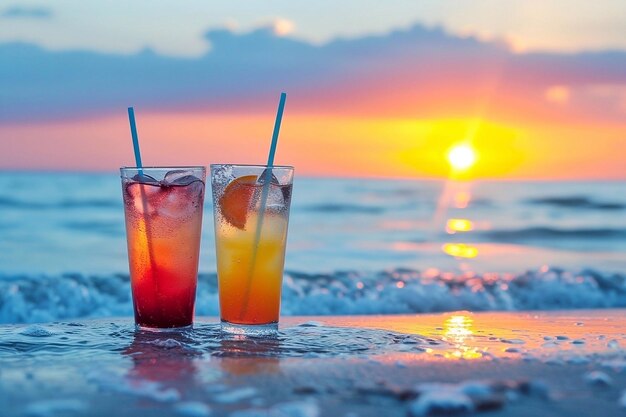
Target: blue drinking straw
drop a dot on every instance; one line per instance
(133, 132)
(270, 157)
(264, 193)
(279, 119)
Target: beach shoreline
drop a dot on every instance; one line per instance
(570, 362)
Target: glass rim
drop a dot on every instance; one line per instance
(254, 166)
(164, 167)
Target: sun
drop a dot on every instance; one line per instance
(461, 157)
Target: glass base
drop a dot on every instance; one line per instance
(250, 330)
(163, 329)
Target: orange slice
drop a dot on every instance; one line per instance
(235, 200)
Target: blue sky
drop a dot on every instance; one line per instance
(177, 28)
(406, 70)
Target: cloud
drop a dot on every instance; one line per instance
(415, 73)
(558, 94)
(21, 12)
(283, 27)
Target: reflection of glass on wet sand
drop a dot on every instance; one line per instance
(241, 355)
(161, 357)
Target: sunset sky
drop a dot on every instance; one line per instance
(375, 89)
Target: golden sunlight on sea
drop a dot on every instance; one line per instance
(457, 329)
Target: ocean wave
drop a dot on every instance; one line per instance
(577, 202)
(390, 191)
(110, 228)
(64, 204)
(344, 208)
(30, 299)
(542, 232)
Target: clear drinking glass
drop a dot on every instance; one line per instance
(251, 217)
(163, 210)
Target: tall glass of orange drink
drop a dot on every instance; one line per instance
(251, 218)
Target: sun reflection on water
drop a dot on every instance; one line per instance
(458, 195)
(459, 225)
(462, 199)
(460, 250)
(458, 329)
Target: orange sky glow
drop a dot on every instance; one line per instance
(324, 145)
(387, 105)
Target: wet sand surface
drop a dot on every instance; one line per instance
(563, 363)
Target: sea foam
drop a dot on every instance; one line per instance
(32, 299)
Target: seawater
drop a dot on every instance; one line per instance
(355, 246)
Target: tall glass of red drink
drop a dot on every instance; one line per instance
(163, 210)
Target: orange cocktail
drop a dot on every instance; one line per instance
(251, 220)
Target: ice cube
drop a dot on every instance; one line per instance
(145, 179)
(144, 196)
(179, 201)
(186, 180)
(263, 176)
(179, 177)
(222, 175)
(274, 197)
(284, 189)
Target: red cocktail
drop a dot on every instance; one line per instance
(163, 208)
